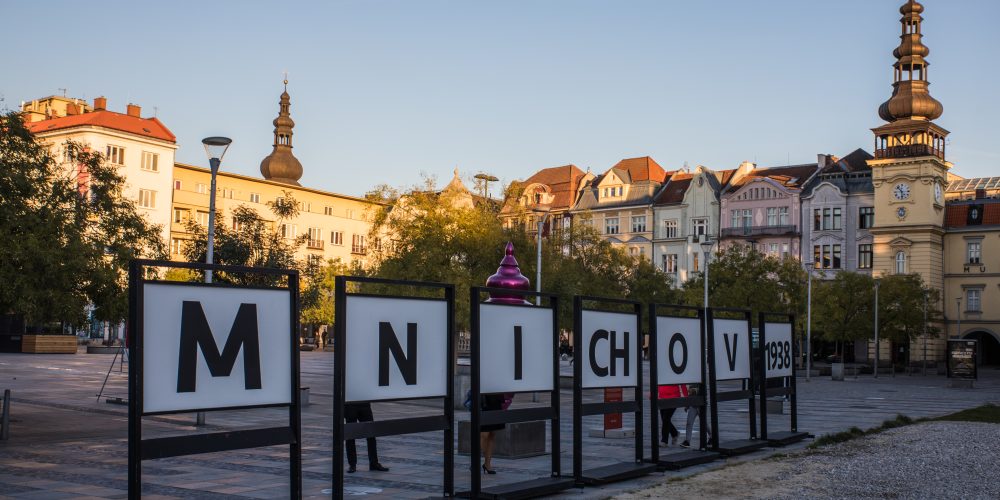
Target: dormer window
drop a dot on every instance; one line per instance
(538, 198)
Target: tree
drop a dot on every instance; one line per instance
(843, 307)
(901, 308)
(250, 241)
(69, 233)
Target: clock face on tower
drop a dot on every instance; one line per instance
(937, 193)
(901, 191)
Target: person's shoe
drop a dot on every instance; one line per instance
(685, 444)
(488, 471)
(673, 441)
(664, 444)
(351, 469)
(378, 467)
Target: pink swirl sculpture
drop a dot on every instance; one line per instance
(508, 276)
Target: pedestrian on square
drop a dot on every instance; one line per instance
(361, 412)
(667, 414)
(488, 433)
(692, 415)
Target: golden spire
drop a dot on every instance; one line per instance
(281, 165)
(910, 98)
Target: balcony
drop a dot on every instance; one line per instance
(908, 151)
(750, 231)
(315, 244)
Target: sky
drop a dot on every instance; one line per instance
(391, 92)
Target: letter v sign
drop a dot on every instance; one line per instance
(731, 350)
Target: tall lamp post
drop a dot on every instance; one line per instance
(809, 316)
(923, 369)
(215, 148)
(958, 316)
(543, 214)
(706, 248)
(877, 280)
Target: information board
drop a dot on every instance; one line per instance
(962, 359)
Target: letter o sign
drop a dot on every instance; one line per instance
(678, 350)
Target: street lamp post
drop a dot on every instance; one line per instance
(706, 248)
(542, 216)
(923, 369)
(215, 148)
(876, 327)
(809, 316)
(958, 316)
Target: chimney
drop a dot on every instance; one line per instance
(100, 103)
(132, 110)
(72, 109)
(980, 194)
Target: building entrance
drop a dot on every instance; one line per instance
(989, 348)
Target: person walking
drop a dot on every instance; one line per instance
(666, 414)
(361, 412)
(488, 433)
(692, 414)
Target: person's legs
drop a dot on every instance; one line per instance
(486, 441)
(670, 428)
(351, 416)
(689, 428)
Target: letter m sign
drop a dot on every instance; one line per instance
(196, 334)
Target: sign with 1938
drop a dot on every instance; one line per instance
(778, 350)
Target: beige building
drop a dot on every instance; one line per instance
(335, 226)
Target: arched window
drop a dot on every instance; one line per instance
(900, 262)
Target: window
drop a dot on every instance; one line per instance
(736, 219)
(836, 219)
(783, 216)
(836, 257)
(670, 228)
(826, 218)
(202, 189)
(865, 256)
(177, 185)
(972, 300)
(201, 218)
(308, 207)
(336, 237)
(358, 243)
(699, 226)
(817, 257)
(639, 224)
(747, 218)
(973, 251)
(254, 197)
(350, 213)
(289, 231)
(175, 246)
(695, 261)
(900, 262)
(237, 227)
(315, 238)
(816, 220)
(116, 155)
(611, 225)
(826, 256)
(670, 263)
(866, 217)
(784, 250)
(150, 161)
(181, 215)
(604, 193)
(772, 216)
(68, 153)
(147, 198)
(327, 210)
(635, 251)
(227, 193)
(773, 249)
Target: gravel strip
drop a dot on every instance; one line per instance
(927, 460)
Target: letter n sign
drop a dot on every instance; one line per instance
(213, 347)
(609, 347)
(396, 348)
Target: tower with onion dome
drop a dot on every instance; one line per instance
(281, 165)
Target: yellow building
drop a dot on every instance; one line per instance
(336, 225)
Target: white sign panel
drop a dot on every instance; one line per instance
(778, 350)
(732, 349)
(608, 354)
(678, 351)
(214, 347)
(515, 348)
(395, 348)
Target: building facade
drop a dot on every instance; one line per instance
(838, 210)
(550, 192)
(685, 212)
(618, 204)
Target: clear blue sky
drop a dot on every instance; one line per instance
(383, 91)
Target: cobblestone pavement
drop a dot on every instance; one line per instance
(66, 444)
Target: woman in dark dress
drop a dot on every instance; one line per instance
(488, 433)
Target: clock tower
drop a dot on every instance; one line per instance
(909, 170)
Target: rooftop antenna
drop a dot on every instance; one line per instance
(155, 110)
(63, 91)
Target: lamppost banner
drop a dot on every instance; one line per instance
(678, 350)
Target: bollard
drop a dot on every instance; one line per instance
(5, 417)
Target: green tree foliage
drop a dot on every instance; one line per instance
(255, 242)
(842, 307)
(430, 238)
(69, 233)
(318, 293)
(742, 277)
(901, 308)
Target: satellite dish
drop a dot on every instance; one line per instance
(486, 177)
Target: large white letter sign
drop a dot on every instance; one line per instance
(678, 350)
(515, 348)
(732, 349)
(607, 353)
(395, 348)
(778, 350)
(213, 347)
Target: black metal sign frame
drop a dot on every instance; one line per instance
(150, 449)
(360, 430)
(614, 472)
(792, 435)
(975, 358)
(744, 445)
(693, 456)
(535, 487)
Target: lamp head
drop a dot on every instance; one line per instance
(215, 147)
(706, 245)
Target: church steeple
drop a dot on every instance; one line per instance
(911, 109)
(281, 165)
